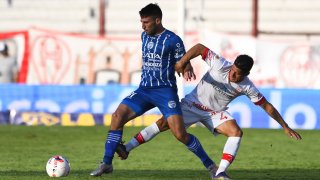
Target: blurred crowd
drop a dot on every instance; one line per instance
(8, 67)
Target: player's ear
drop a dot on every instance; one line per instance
(158, 21)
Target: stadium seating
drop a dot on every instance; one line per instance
(122, 16)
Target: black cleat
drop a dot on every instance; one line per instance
(121, 151)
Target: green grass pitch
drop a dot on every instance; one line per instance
(263, 154)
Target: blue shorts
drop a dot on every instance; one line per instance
(144, 99)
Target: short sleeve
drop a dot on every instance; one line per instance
(254, 95)
(178, 48)
(213, 59)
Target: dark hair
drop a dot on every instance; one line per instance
(151, 10)
(244, 62)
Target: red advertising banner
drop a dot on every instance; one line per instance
(50, 57)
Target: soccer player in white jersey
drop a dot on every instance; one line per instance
(208, 102)
(161, 50)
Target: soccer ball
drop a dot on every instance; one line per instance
(58, 166)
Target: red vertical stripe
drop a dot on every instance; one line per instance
(23, 73)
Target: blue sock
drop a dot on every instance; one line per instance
(195, 146)
(113, 139)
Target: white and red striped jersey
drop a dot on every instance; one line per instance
(214, 91)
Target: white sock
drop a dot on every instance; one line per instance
(143, 136)
(229, 153)
(132, 144)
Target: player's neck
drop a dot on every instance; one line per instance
(160, 30)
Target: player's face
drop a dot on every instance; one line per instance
(149, 25)
(236, 75)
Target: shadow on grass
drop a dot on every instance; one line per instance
(173, 174)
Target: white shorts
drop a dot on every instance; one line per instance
(210, 119)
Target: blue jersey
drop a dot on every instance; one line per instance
(159, 55)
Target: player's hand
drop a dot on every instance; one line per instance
(188, 73)
(291, 133)
(179, 67)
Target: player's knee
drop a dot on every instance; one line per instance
(162, 124)
(182, 137)
(237, 132)
(116, 116)
(117, 121)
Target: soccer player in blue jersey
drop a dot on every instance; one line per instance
(161, 49)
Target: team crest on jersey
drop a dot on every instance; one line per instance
(172, 104)
(150, 45)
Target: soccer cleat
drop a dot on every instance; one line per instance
(222, 176)
(103, 168)
(121, 151)
(212, 170)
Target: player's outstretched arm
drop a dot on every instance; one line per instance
(273, 112)
(195, 51)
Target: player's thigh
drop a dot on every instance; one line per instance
(230, 129)
(132, 106)
(214, 120)
(167, 101)
(190, 114)
(177, 127)
(138, 102)
(189, 117)
(121, 116)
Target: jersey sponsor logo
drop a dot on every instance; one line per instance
(152, 64)
(222, 90)
(172, 104)
(152, 56)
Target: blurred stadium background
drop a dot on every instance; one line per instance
(77, 59)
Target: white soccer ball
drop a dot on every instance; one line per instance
(58, 166)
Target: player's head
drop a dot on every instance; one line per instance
(151, 16)
(240, 68)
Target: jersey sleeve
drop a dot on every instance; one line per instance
(212, 59)
(178, 48)
(254, 95)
